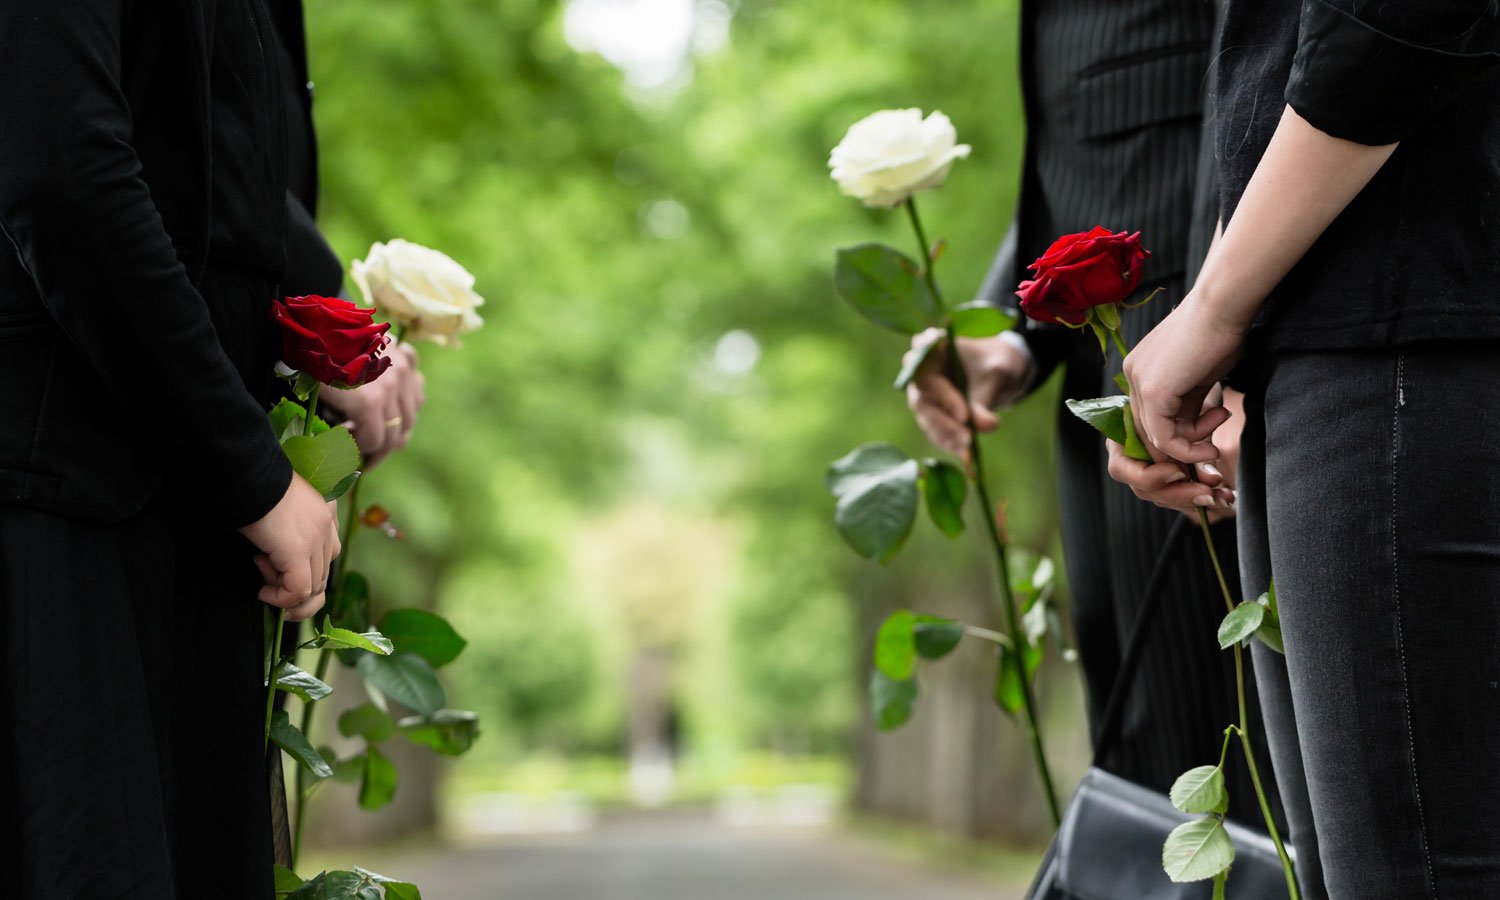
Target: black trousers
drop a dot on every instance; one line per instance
(131, 765)
(1183, 696)
(1368, 489)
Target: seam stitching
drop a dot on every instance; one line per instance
(1411, 740)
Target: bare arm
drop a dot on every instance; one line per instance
(1304, 180)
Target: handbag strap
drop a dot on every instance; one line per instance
(1108, 732)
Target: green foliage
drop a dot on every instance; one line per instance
(1009, 687)
(1197, 850)
(450, 732)
(426, 634)
(895, 653)
(980, 319)
(945, 487)
(329, 461)
(377, 783)
(892, 700)
(1200, 790)
(1105, 414)
(1240, 624)
(405, 678)
(367, 721)
(289, 738)
(876, 488)
(935, 637)
(886, 287)
(293, 680)
(925, 345)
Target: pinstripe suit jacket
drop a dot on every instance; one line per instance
(1114, 92)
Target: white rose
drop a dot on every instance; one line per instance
(424, 292)
(890, 155)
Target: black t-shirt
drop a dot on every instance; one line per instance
(1416, 256)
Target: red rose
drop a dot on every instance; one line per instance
(330, 339)
(1080, 271)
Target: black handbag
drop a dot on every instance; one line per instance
(1109, 844)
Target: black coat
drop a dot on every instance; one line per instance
(114, 379)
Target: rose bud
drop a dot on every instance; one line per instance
(332, 340)
(1081, 271)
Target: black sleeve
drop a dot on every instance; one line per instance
(311, 265)
(1048, 343)
(75, 210)
(1371, 72)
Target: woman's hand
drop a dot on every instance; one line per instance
(997, 373)
(382, 414)
(1172, 372)
(1167, 484)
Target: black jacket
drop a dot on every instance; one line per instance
(1114, 93)
(312, 265)
(113, 378)
(1416, 255)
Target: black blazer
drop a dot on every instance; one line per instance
(113, 378)
(1114, 93)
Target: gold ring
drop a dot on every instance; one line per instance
(393, 422)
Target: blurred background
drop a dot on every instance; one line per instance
(615, 490)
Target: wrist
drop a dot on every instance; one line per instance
(1217, 301)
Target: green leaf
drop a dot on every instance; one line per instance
(892, 701)
(1270, 598)
(289, 738)
(450, 732)
(1122, 383)
(406, 678)
(293, 680)
(394, 890)
(349, 604)
(286, 880)
(895, 650)
(342, 487)
(367, 721)
(1197, 850)
(945, 487)
(935, 637)
(303, 385)
(1135, 448)
(377, 785)
(1200, 790)
(348, 886)
(349, 770)
(335, 638)
(326, 460)
(426, 634)
(876, 487)
(1105, 414)
(1240, 624)
(886, 287)
(1269, 632)
(926, 343)
(1108, 315)
(978, 319)
(1009, 691)
(287, 418)
(312, 889)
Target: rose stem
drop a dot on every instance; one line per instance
(1243, 728)
(997, 541)
(325, 657)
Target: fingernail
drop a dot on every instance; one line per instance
(1211, 469)
(1205, 500)
(1177, 476)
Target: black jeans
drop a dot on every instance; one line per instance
(1368, 486)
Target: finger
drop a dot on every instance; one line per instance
(408, 406)
(1209, 474)
(296, 584)
(267, 571)
(1164, 483)
(306, 609)
(983, 417)
(941, 429)
(936, 389)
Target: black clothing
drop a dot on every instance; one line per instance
(104, 205)
(1378, 523)
(1414, 257)
(312, 265)
(1114, 96)
(142, 193)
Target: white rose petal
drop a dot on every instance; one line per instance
(890, 155)
(424, 292)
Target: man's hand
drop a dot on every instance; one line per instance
(383, 413)
(298, 539)
(997, 373)
(1167, 484)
